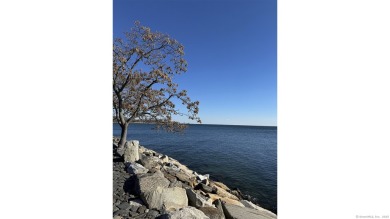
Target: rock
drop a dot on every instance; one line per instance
(196, 200)
(214, 197)
(231, 202)
(133, 214)
(167, 198)
(205, 181)
(220, 185)
(182, 176)
(172, 166)
(150, 162)
(134, 208)
(164, 159)
(187, 213)
(118, 217)
(170, 177)
(205, 188)
(136, 202)
(218, 204)
(124, 206)
(182, 167)
(203, 177)
(237, 212)
(212, 213)
(249, 204)
(153, 213)
(141, 209)
(149, 182)
(237, 193)
(185, 178)
(223, 193)
(131, 151)
(176, 184)
(136, 168)
(121, 213)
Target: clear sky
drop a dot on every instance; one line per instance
(230, 47)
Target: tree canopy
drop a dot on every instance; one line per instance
(144, 65)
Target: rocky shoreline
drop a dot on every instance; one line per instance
(147, 184)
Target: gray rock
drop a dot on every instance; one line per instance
(205, 188)
(153, 213)
(249, 204)
(167, 198)
(237, 212)
(124, 206)
(212, 213)
(121, 213)
(172, 166)
(176, 184)
(147, 182)
(150, 162)
(131, 151)
(142, 209)
(218, 204)
(187, 213)
(196, 199)
(136, 168)
(133, 214)
(134, 208)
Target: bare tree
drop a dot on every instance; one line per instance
(144, 66)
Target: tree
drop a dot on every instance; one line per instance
(144, 66)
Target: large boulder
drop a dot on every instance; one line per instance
(237, 212)
(187, 213)
(196, 200)
(166, 198)
(249, 204)
(150, 182)
(131, 151)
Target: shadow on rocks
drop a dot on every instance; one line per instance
(116, 156)
(130, 185)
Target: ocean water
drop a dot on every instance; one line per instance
(243, 157)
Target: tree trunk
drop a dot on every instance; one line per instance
(122, 141)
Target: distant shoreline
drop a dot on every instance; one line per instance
(208, 124)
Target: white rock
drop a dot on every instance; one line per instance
(131, 151)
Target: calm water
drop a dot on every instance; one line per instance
(242, 157)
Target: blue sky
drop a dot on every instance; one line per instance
(230, 47)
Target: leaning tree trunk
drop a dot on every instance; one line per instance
(122, 141)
